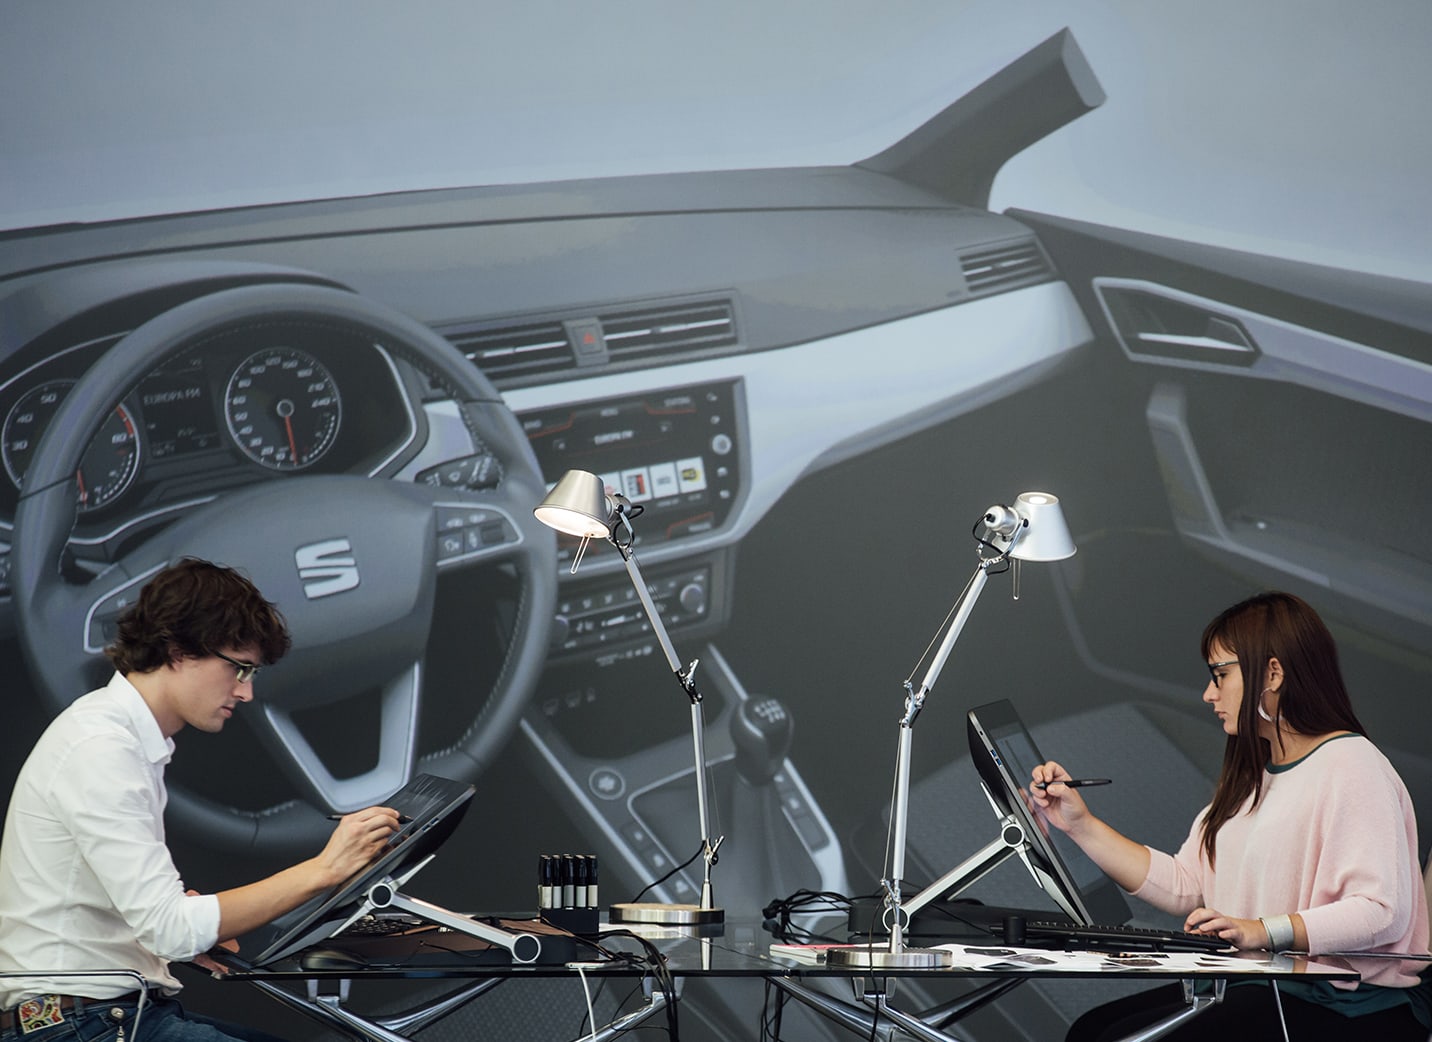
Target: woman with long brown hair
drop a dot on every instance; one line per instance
(1309, 843)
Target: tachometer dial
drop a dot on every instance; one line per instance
(283, 408)
(109, 464)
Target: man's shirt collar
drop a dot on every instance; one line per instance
(157, 748)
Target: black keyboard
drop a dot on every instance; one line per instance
(1040, 934)
(381, 925)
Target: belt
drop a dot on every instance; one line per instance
(44, 1011)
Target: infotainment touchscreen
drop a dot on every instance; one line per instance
(677, 453)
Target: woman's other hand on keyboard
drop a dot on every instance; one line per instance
(1241, 933)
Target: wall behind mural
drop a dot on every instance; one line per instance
(334, 293)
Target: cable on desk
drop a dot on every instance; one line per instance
(587, 991)
(462, 953)
(655, 963)
(620, 1005)
(663, 879)
(770, 1022)
(948, 910)
(777, 914)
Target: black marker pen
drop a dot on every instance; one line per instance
(579, 891)
(1075, 783)
(569, 880)
(544, 881)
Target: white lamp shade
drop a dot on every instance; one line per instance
(1047, 538)
(577, 505)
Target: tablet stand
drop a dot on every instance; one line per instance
(385, 893)
(1011, 841)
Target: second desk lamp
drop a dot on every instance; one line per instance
(579, 505)
(1032, 530)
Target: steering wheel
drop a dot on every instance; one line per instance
(352, 561)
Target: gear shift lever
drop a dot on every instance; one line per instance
(769, 861)
(761, 730)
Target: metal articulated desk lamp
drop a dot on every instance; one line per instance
(1032, 530)
(579, 505)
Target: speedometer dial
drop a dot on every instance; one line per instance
(109, 463)
(283, 408)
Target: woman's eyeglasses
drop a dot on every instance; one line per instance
(1214, 667)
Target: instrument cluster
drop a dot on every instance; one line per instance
(243, 405)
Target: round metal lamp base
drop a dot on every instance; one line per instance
(873, 957)
(665, 914)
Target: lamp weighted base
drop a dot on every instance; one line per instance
(875, 957)
(665, 914)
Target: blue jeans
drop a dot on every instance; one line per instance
(161, 1020)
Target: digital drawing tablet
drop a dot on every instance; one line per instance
(433, 805)
(1005, 755)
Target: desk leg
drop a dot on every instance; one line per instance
(1196, 1005)
(655, 1003)
(399, 1027)
(913, 1026)
(949, 1012)
(843, 1013)
(851, 1016)
(395, 1028)
(856, 1019)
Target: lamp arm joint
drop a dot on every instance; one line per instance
(914, 703)
(686, 677)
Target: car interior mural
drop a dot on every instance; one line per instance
(813, 355)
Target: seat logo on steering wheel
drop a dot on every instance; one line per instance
(326, 568)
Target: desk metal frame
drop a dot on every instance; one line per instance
(742, 953)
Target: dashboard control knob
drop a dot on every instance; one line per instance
(693, 597)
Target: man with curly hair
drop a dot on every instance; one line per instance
(87, 881)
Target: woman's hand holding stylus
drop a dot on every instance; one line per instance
(1060, 805)
(1125, 862)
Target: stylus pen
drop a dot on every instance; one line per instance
(403, 819)
(1075, 783)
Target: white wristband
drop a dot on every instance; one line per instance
(1280, 932)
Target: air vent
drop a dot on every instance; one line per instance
(1004, 267)
(668, 329)
(511, 351)
(521, 352)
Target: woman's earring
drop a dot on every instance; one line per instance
(1261, 711)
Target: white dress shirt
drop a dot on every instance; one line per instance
(86, 880)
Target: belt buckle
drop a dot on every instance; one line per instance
(42, 1011)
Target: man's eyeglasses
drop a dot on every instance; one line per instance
(1214, 667)
(244, 671)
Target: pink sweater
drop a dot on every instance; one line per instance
(1333, 839)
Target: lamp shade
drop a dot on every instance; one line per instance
(577, 505)
(1047, 538)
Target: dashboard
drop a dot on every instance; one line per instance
(690, 390)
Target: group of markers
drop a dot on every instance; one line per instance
(567, 881)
